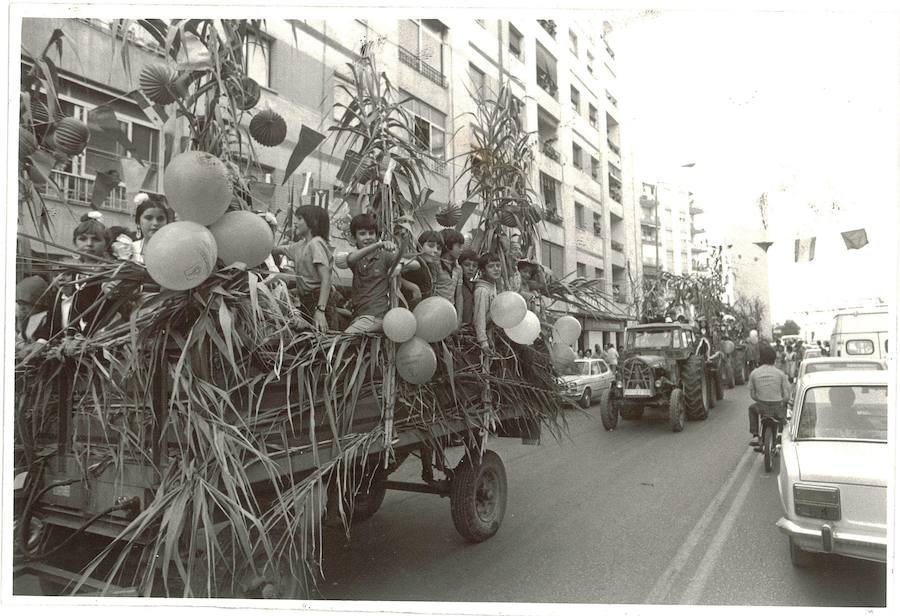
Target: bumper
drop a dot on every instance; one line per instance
(824, 539)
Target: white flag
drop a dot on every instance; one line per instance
(804, 249)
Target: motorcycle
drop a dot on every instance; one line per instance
(769, 429)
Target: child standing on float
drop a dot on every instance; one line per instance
(150, 215)
(313, 261)
(489, 267)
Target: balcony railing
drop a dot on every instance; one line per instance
(614, 148)
(546, 82)
(646, 201)
(649, 221)
(423, 68)
(612, 99)
(551, 215)
(78, 189)
(615, 193)
(550, 152)
(617, 246)
(549, 25)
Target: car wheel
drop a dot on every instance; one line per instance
(799, 557)
(585, 400)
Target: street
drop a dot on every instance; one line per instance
(639, 515)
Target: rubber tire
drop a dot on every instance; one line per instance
(799, 557)
(464, 488)
(676, 410)
(719, 384)
(367, 501)
(585, 400)
(768, 447)
(609, 414)
(729, 374)
(696, 388)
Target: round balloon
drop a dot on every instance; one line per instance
(399, 325)
(508, 309)
(567, 329)
(435, 319)
(728, 347)
(243, 237)
(181, 255)
(416, 361)
(197, 187)
(526, 331)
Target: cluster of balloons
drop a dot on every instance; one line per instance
(183, 254)
(432, 320)
(509, 311)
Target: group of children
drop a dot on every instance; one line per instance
(442, 268)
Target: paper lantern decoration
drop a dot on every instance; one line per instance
(244, 91)
(567, 330)
(180, 255)
(40, 116)
(508, 309)
(416, 361)
(268, 128)
(157, 81)
(526, 331)
(435, 319)
(71, 136)
(449, 216)
(728, 347)
(28, 144)
(399, 325)
(508, 219)
(243, 237)
(197, 187)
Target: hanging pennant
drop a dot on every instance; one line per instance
(134, 175)
(764, 246)
(856, 239)
(104, 183)
(104, 119)
(308, 141)
(804, 249)
(155, 113)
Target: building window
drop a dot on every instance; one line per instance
(598, 273)
(576, 156)
(595, 169)
(422, 49)
(476, 76)
(573, 43)
(575, 95)
(579, 216)
(549, 190)
(429, 128)
(257, 56)
(515, 42)
(553, 258)
(590, 63)
(598, 225)
(592, 116)
(581, 270)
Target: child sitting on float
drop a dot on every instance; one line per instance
(448, 283)
(489, 269)
(468, 263)
(421, 272)
(150, 215)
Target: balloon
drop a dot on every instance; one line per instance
(527, 331)
(435, 319)
(197, 187)
(244, 237)
(399, 325)
(181, 255)
(728, 347)
(508, 309)
(567, 329)
(416, 361)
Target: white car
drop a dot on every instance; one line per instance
(592, 378)
(830, 364)
(835, 464)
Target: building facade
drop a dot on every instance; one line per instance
(672, 237)
(562, 74)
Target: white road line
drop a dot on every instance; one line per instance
(665, 582)
(698, 584)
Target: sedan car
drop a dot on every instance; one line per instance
(830, 364)
(835, 464)
(591, 378)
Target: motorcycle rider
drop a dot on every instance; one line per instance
(770, 391)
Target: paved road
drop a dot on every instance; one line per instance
(638, 515)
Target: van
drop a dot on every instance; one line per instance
(861, 333)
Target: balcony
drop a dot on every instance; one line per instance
(649, 221)
(550, 152)
(78, 189)
(617, 246)
(612, 99)
(595, 174)
(613, 147)
(423, 68)
(646, 201)
(551, 215)
(615, 193)
(547, 83)
(549, 25)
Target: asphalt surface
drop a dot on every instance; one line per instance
(639, 515)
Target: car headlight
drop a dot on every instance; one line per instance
(657, 383)
(619, 384)
(817, 502)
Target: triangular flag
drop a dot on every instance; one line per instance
(262, 193)
(104, 183)
(155, 113)
(193, 54)
(856, 239)
(804, 249)
(323, 198)
(349, 166)
(764, 246)
(104, 119)
(308, 141)
(134, 174)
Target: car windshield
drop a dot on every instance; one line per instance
(650, 339)
(583, 367)
(844, 412)
(842, 365)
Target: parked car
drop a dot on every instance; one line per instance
(592, 381)
(835, 464)
(831, 364)
(861, 333)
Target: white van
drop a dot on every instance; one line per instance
(861, 333)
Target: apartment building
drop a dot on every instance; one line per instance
(672, 236)
(562, 74)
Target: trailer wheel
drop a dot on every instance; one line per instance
(370, 496)
(478, 496)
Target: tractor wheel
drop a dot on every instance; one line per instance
(676, 410)
(696, 389)
(609, 414)
(720, 385)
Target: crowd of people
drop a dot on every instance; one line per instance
(71, 302)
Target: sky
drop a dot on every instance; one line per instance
(800, 105)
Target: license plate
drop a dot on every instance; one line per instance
(638, 392)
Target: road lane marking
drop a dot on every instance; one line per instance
(698, 584)
(665, 582)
